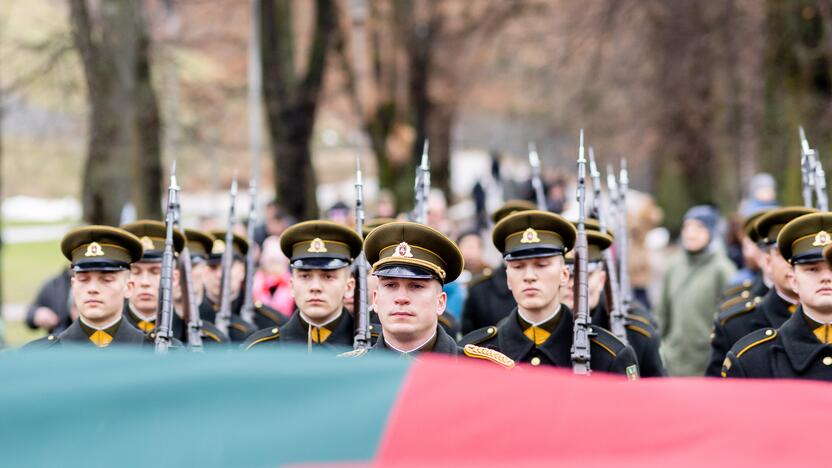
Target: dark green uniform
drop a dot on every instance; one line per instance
(79, 334)
(442, 343)
(238, 329)
(336, 334)
(641, 336)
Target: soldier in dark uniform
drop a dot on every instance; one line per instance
(800, 348)
(101, 282)
(540, 329)
(768, 311)
(199, 247)
(641, 335)
(320, 255)
(489, 299)
(759, 284)
(143, 306)
(412, 263)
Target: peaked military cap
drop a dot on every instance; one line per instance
(749, 226)
(403, 249)
(596, 241)
(374, 223)
(199, 243)
(511, 207)
(320, 245)
(101, 248)
(152, 236)
(533, 233)
(802, 240)
(239, 247)
(827, 254)
(769, 225)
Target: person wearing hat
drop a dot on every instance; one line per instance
(489, 299)
(412, 262)
(539, 330)
(772, 309)
(801, 348)
(641, 335)
(100, 259)
(199, 246)
(751, 281)
(320, 255)
(143, 306)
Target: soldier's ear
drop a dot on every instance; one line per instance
(441, 303)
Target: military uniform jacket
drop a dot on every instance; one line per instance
(443, 344)
(791, 351)
(296, 331)
(238, 329)
(488, 302)
(770, 311)
(641, 336)
(126, 334)
(607, 353)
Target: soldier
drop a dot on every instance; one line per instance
(199, 247)
(760, 283)
(143, 306)
(320, 253)
(800, 348)
(540, 329)
(769, 311)
(412, 262)
(489, 299)
(641, 335)
(101, 257)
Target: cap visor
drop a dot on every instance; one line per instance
(404, 271)
(319, 263)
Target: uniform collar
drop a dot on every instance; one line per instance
(514, 344)
(547, 323)
(799, 342)
(137, 315)
(106, 328)
(426, 345)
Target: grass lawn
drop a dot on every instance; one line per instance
(17, 334)
(26, 266)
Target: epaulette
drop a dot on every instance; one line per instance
(638, 326)
(606, 340)
(478, 336)
(375, 329)
(354, 353)
(478, 352)
(753, 339)
(740, 308)
(736, 289)
(479, 279)
(262, 336)
(733, 300)
(448, 320)
(268, 312)
(211, 332)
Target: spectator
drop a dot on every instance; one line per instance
(52, 309)
(271, 284)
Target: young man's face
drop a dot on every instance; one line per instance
(213, 278)
(99, 295)
(779, 271)
(536, 283)
(408, 309)
(146, 277)
(813, 284)
(319, 294)
(596, 278)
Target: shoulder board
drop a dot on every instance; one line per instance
(354, 353)
(448, 320)
(262, 336)
(738, 309)
(478, 352)
(375, 329)
(737, 298)
(604, 339)
(267, 312)
(753, 339)
(736, 289)
(480, 279)
(478, 336)
(641, 329)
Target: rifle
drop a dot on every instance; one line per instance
(580, 337)
(611, 288)
(247, 310)
(362, 313)
(191, 308)
(623, 237)
(421, 188)
(224, 314)
(165, 318)
(806, 170)
(537, 183)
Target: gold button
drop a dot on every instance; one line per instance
(50, 337)
(490, 330)
(827, 361)
(745, 294)
(258, 304)
(274, 330)
(769, 332)
(536, 361)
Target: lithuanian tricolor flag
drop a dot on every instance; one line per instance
(123, 408)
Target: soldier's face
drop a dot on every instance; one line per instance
(213, 278)
(536, 283)
(408, 309)
(99, 295)
(780, 272)
(146, 276)
(319, 294)
(813, 284)
(596, 279)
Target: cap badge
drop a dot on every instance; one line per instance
(94, 250)
(530, 237)
(822, 238)
(218, 247)
(403, 250)
(317, 246)
(147, 244)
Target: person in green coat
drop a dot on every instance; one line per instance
(690, 293)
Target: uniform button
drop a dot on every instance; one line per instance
(490, 330)
(536, 361)
(827, 361)
(769, 332)
(50, 337)
(274, 330)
